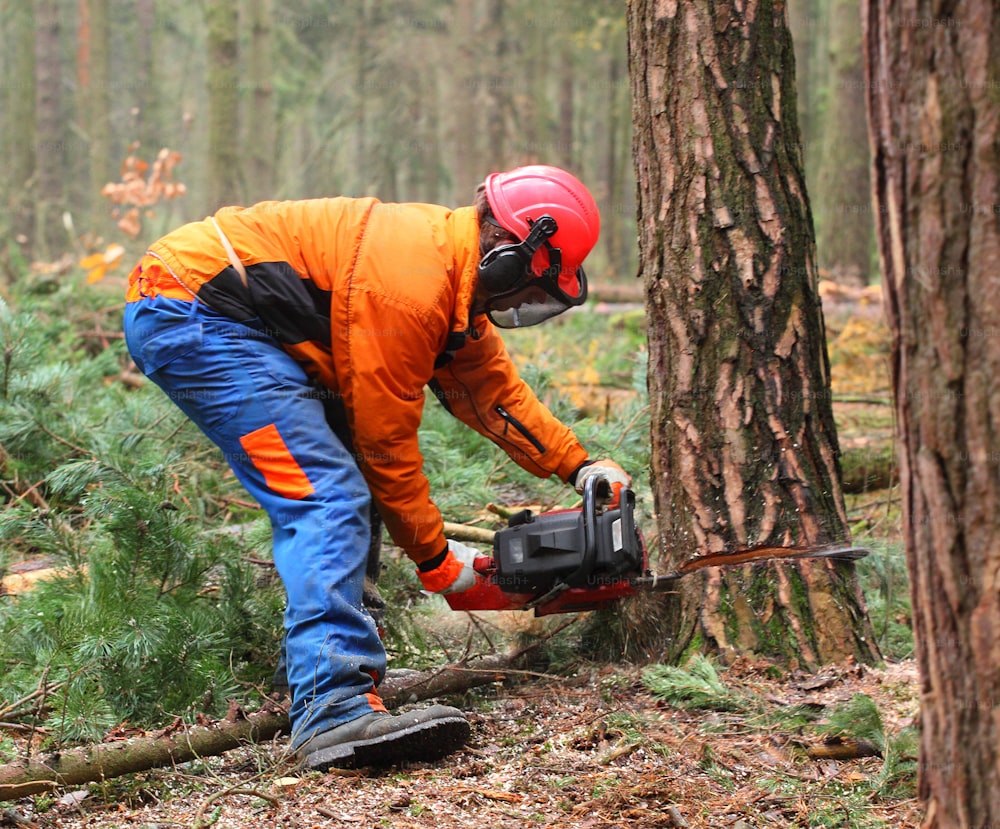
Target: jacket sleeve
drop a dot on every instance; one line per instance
(481, 387)
(389, 358)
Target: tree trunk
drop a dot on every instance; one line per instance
(222, 20)
(565, 155)
(362, 69)
(463, 82)
(744, 447)
(932, 75)
(844, 219)
(19, 131)
(809, 23)
(801, 19)
(94, 74)
(260, 124)
(152, 131)
(50, 139)
(498, 83)
(617, 191)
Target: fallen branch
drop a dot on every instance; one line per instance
(843, 749)
(463, 532)
(107, 760)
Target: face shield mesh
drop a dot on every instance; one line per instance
(534, 301)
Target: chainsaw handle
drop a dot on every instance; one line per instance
(589, 518)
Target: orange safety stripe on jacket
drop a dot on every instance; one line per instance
(367, 296)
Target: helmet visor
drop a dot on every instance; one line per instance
(534, 301)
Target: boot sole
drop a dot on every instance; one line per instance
(424, 741)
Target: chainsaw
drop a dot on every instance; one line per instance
(573, 560)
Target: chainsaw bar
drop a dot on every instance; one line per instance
(841, 552)
(568, 561)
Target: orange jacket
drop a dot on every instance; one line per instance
(373, 300)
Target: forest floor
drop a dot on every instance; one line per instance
(589, 751)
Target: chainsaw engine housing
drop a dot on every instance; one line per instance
(578, 548)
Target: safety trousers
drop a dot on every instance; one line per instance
(257, 405)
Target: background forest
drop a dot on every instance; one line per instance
(407, 101)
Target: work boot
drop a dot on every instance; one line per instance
(383, 739)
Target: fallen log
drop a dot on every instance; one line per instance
(174, 746)
(463, 532)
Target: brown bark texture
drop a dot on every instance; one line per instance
(744, 447)
(933, 92)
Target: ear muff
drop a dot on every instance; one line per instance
(503, 268)
(506, 266)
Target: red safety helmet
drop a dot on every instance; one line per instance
(557, 223)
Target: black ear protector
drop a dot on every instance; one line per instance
(506, 266)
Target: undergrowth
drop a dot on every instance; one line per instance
(150, 612)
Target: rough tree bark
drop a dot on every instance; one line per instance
(933, 82)
(744, 447)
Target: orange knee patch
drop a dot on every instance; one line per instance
(266, 448)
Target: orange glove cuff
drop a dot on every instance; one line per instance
(443, 575)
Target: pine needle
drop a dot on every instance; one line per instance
(695, 686)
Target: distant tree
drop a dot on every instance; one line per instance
(462, 132)
(932, 73)
(615, 191)
(809, 21)
(50, 138)
(94, 76)
(744, 446)
(842, 191)
(146, 43)
(224, 151)
(499, 81)
(19, 130)
(259, 124)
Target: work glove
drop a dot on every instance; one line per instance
(608, 470)
(455, 573)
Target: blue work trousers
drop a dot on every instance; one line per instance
(257, 405)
